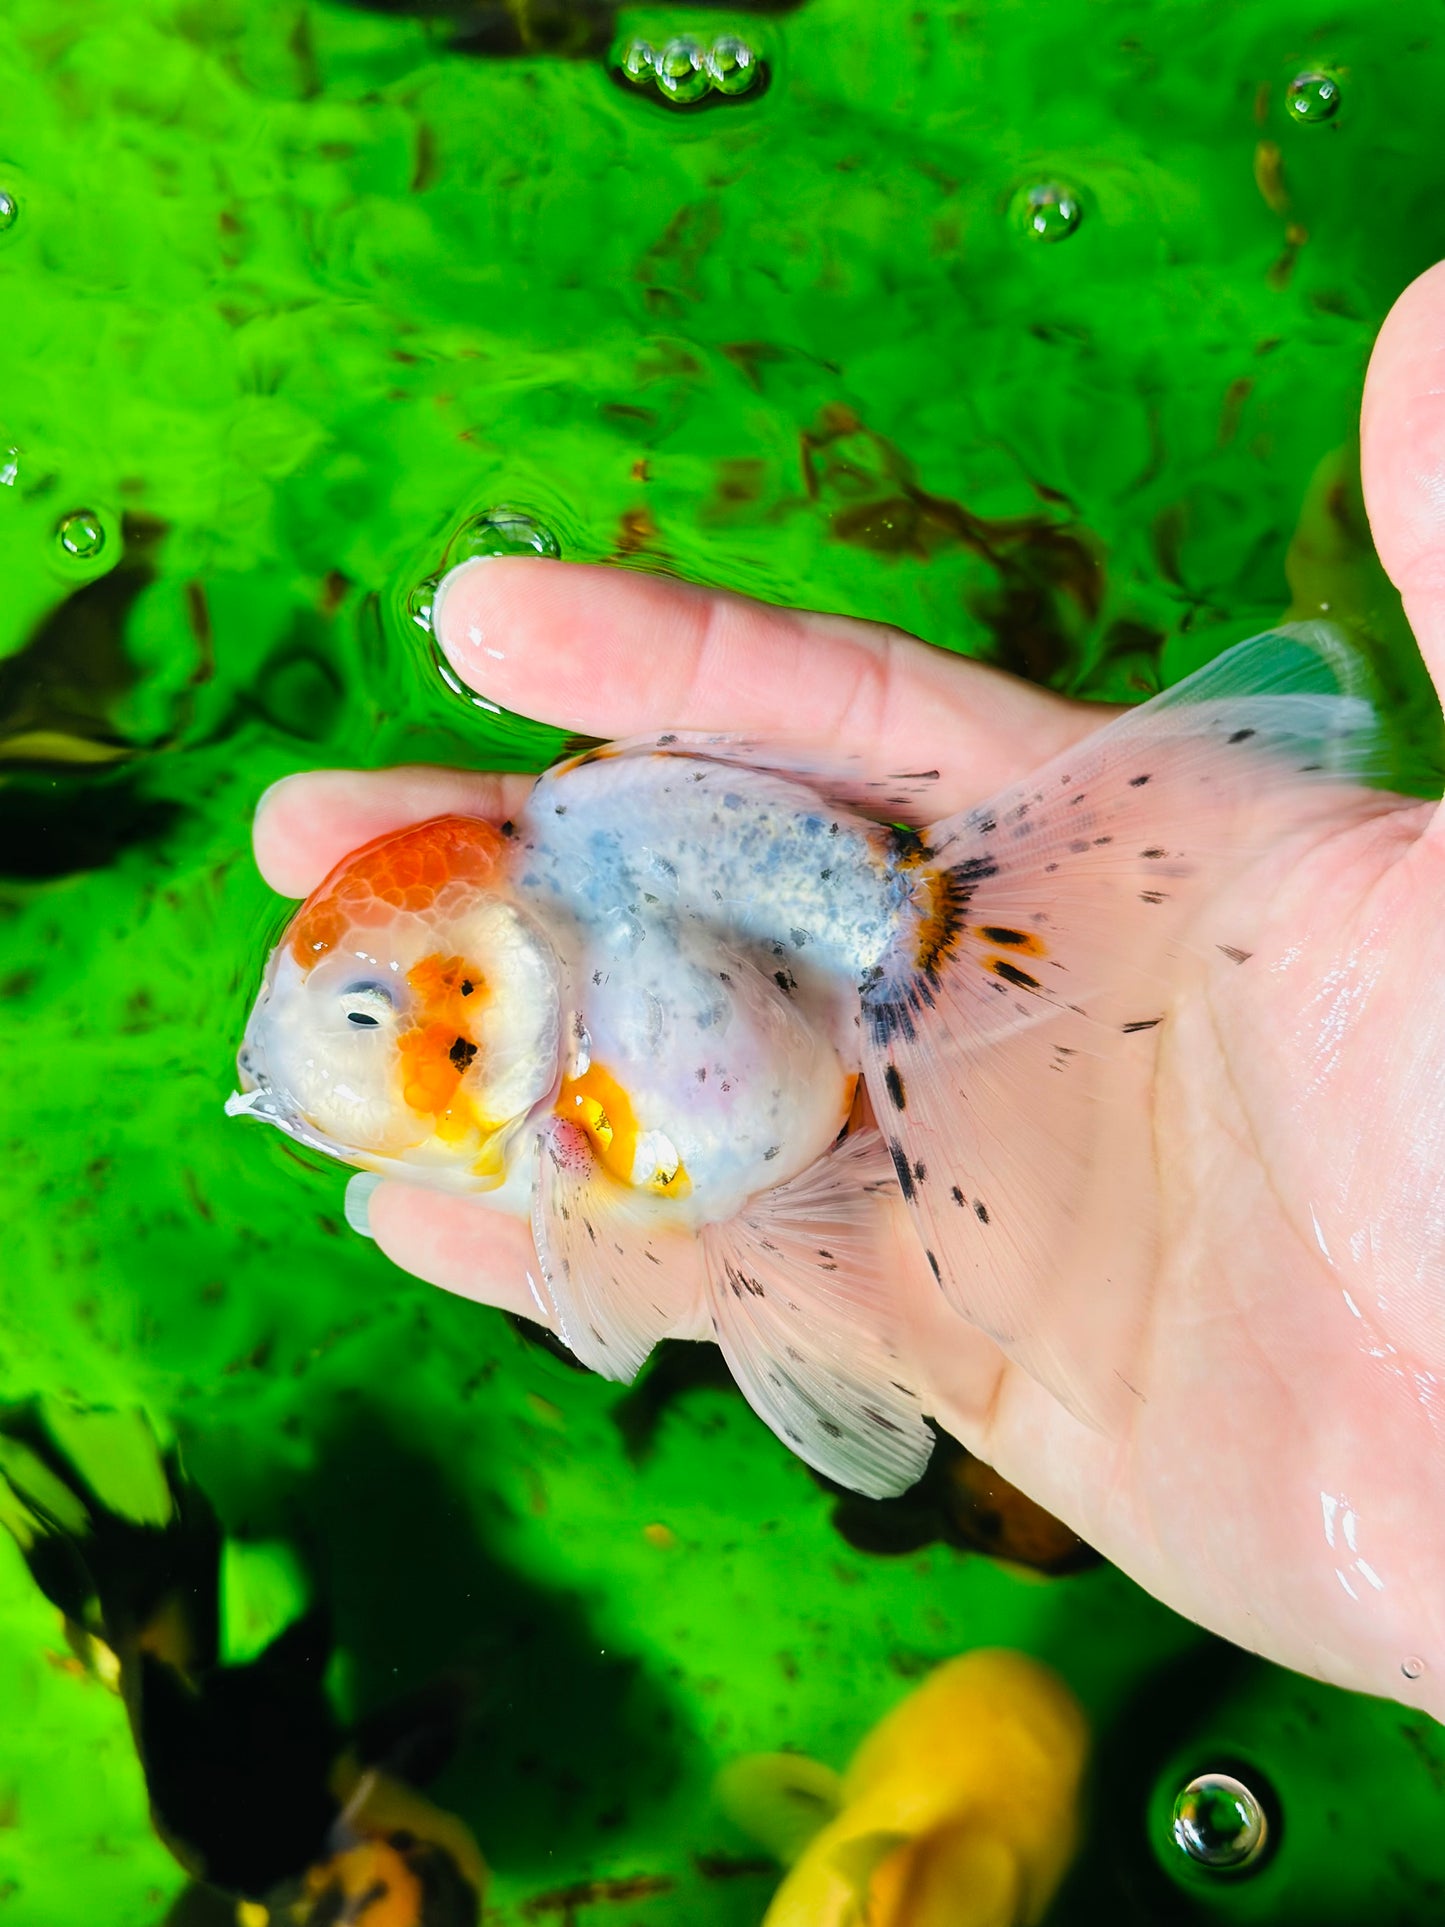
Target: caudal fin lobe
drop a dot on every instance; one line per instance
(1010, 1038)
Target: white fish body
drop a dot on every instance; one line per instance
(642, 1010)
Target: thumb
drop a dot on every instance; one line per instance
(1403, 458)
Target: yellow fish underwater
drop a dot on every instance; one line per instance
(639, 1015)
(960, 1809)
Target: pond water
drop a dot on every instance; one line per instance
(1038, 330)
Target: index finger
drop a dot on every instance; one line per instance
(609, 652)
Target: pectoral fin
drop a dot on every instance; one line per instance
(616, 1278)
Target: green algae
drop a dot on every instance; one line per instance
(291, 296)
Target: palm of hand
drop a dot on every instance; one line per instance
(1283, 1467)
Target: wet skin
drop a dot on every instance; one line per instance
(1282, 1476)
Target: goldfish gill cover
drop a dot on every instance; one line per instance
(1038, 330)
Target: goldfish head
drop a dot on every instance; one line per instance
(409, 1017)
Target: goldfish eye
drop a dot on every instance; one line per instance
(367, 1005)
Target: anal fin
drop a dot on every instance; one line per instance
(801, 1303)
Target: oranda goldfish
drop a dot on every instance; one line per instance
(254, 1785)
(640, 1013)
(960, 1808)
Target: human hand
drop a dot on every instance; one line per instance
(1282, 1478)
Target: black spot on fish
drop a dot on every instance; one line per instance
(894, 1085)
(957, 1195)
(799, 937)
(559, 809)
(975, 869)
(1137, 782)
(597, 976)
(833, 1431)
(920, 1171)
(461, 1053)
(467, 986)
(1012, 974)
(786, 981)
(823, 1253)
(1152, 896)
(723, 977)
(663, 741)
(1101, 840)
(701, 1073)
(986, 825)
(1077, 799)
(650, 1255)
(876, 1417)
(998, 933)
(900, 1165)
(1152, 853)
(509, 828)
(590, 1229)
(933, 1263)
(1234, 956)
(980, 1210)
(825, 875)
(1142, 1023)
(1049, 869)
(771, 1152)
(1242, 735)
(1079, 845)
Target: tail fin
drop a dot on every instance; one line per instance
(110, 1527)
(1011, 1037)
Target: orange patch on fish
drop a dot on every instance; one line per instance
(375, 1885)
(597, 1103)
(434, 1058)
(437, 1053)
(403, 870)
(450, 988)
(599, 1106)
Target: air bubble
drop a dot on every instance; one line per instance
(9, 210)
(81, 534)
(682, 74)
(1312, 97)
(419, 603)
(1049, 211)
(504, 531)
(638, 62)
(732, 65)
(1413, 1667)
(1219, 1823)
